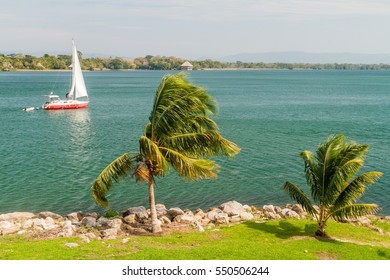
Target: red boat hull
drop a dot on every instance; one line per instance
(66, 105)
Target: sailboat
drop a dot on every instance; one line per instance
(77, 97)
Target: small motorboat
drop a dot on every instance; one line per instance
(28, 109)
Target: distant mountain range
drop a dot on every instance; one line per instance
(306, 57)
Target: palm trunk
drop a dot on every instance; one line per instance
(156, 226)
(322, 223)
(321, 229)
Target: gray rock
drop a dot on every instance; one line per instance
(47, 214)
(184, 219)
(277, 209)
(84, 238)
(290, 214)
(269, 208)
(232, 208)
(165, 220)
(245, 216)
(161, 210)
(298, 209)
(272, 216)
(75, 217)
(139, 211)
(212, 214)
(71, 245)
(110, 233)
(89, 222)
(49, 224)
(104, 223)
(205, 221)
(235, 219)
(175, 211)
(16, 216)
(130, 219)
(198, 226)
(7, 227)
(222, 218)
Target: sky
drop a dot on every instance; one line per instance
(194, 29)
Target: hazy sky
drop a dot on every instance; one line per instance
(196, 28)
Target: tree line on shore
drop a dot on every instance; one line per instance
(11, 62)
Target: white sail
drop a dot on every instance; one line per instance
(78, 88)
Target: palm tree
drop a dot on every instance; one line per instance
(179, 134)
(332, 177)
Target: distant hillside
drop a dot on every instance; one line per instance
(305, 57)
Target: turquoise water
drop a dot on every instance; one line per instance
(49, 159)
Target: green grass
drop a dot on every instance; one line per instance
(273, 240)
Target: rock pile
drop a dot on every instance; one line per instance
(137, 221)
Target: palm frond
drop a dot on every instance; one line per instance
(202, 144)
(151, 152)
(311, 173)
(191, 168)
(355, 189)
(354, 211)
(178, 102)
(299, 196)
(118, 168)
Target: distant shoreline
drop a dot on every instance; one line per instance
(21, 62)
(195, 70)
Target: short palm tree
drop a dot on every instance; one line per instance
(332, 176)
(179, 134)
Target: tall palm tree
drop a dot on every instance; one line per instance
(332, 176)
(180, 134)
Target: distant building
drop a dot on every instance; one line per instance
(186, 66)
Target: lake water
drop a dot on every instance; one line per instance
(49, 159)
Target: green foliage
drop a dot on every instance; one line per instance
(149, 62)
(272, 240)
(335, 185)
(180, 134)
(112, 213)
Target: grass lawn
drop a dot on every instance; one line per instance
(271, 240)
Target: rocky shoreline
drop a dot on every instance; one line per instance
(136, 221)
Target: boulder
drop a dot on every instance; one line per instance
(47, 214)
(290, 214)
(68, 229)
(222, 218)
(105, 223)
(213, 213)
(110, 233)
(232, 208)
(175, 211)
(161, 210)
(75, 217)
(88, 222)
(198, 226)
(16, 216)
(278, 209)
(272, 216)
(298, 209)
(71, 245)
(7, 227)
(165, 220)
(245, 216)
(49, 224)
(235, 219)
(184, 219)
(139, 211)
(269, 209)
(130, 219)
